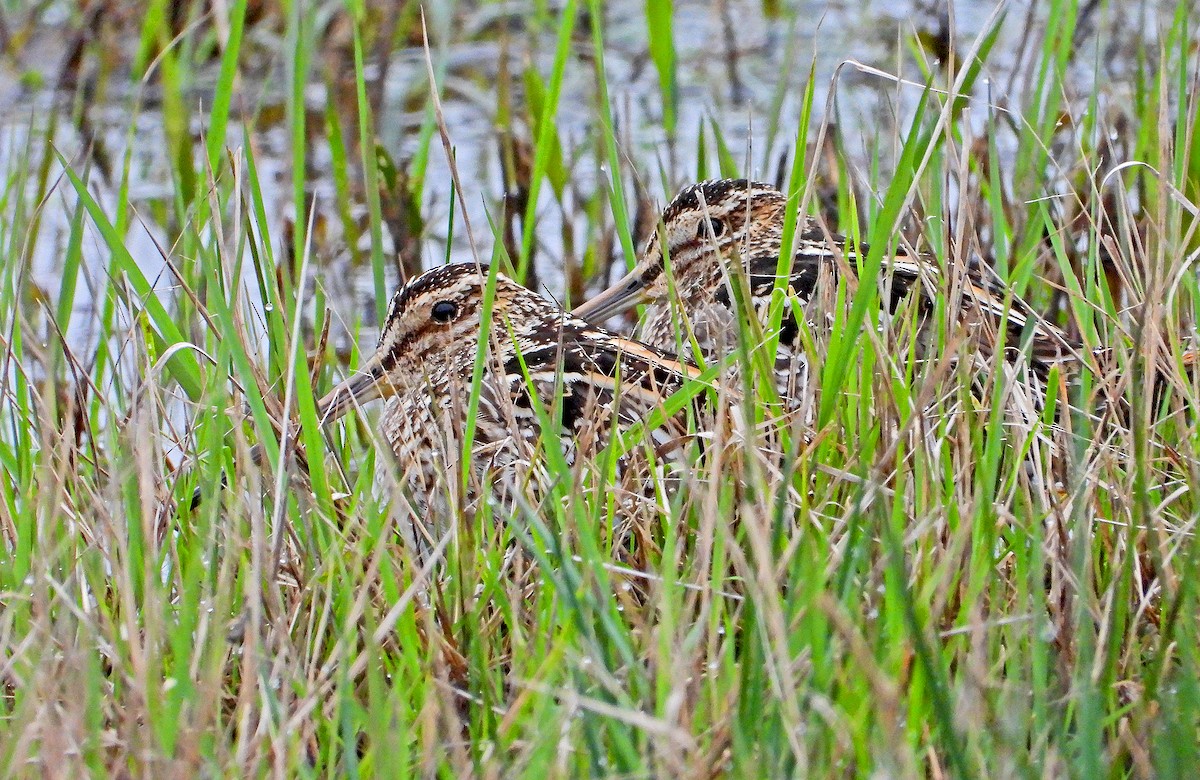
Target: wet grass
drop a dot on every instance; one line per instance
(930, 582)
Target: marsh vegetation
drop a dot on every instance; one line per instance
(205, 206)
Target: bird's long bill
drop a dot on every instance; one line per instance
(618, 299)
(365, 385)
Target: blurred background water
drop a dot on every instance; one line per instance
(742, 67)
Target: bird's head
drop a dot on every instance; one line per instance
(702, 228)
(430, 336)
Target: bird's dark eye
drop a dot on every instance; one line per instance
(443, 311)
(718, 227)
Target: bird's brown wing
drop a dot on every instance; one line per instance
(983, 293)
(595, 376)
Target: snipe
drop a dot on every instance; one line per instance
(716, 227)
(590, 382)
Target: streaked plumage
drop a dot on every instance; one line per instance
(710, 224)
(590, 380)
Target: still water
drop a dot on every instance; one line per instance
(738, 68)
